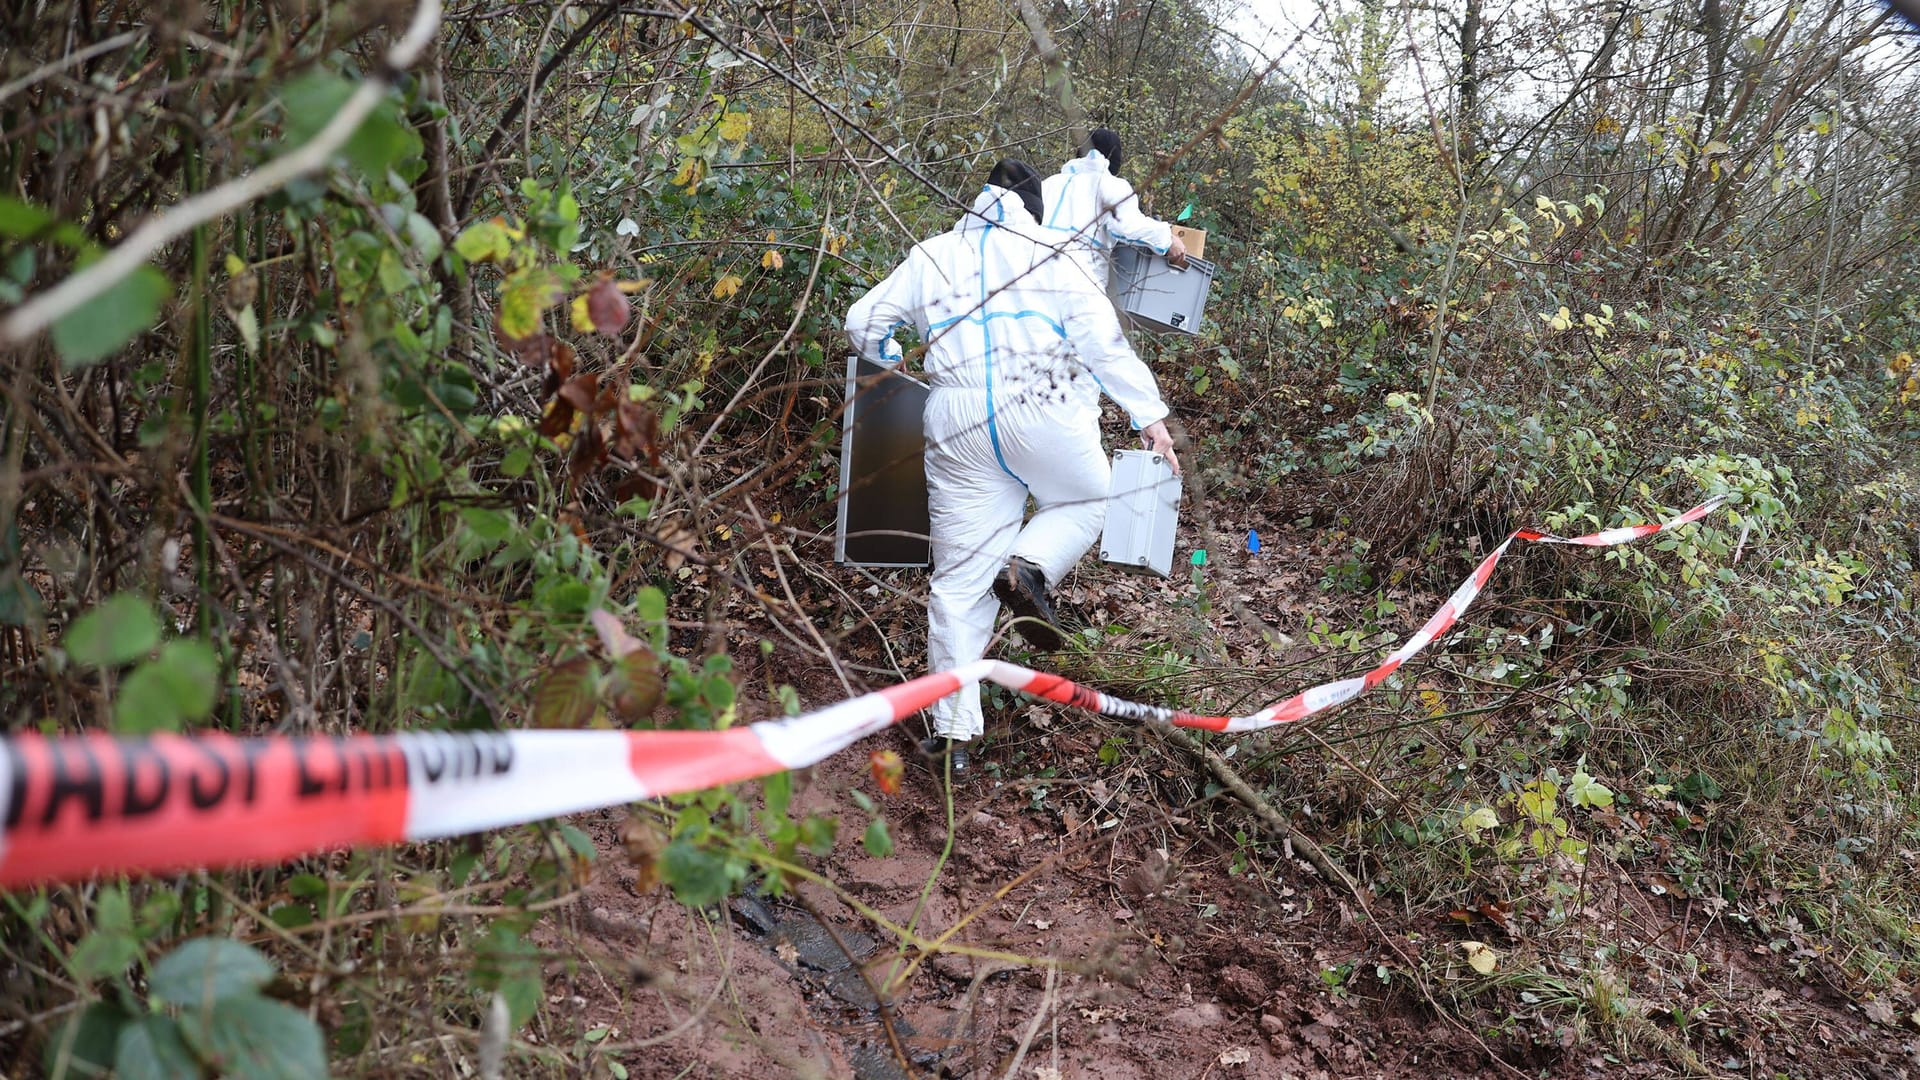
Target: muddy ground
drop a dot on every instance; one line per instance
(1096, 920)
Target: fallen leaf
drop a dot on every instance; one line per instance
(678, 541)
(608, 307)
(787, 952)
(1880, 1012)
(888, 770)
(643, 842)
(1480, 956)
(1239, 1055)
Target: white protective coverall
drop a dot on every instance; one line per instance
(1019, 349)
(1092, 209)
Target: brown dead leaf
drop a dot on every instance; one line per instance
(607, 307)
(679, 542)
(643, 842)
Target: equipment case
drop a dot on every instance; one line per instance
(1155, 295)
(883, 477)
(1143, 507)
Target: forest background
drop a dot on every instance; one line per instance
(556, 328)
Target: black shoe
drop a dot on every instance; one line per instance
(1023, 589)
(953, 750)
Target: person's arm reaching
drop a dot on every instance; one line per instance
(1130, 224)
(1095, 332)
(885, 308)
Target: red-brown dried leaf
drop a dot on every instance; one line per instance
(559, 360)
(533, 350)
(636, 431)
(565, 696)
(589, 450)
(636, 486)
(557, 419)
(580, 391)
(607, 307)
(636, 685)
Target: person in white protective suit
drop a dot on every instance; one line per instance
(1092, 208)
(1019, 349)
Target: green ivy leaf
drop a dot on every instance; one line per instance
(650, 607)
(104, 953)
(877, 841)
(152, 1049)
(174, 689)
(697, 877)
(209, 969)
(118, 630)
(490, 526)
(257, 1038)
(84, 1045)
(1584, 790)
(817, 832)
(376, 145)
(98, 328)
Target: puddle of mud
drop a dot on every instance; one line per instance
(826, 960)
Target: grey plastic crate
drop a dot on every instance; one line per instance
(1155, 295)
(1143, 507)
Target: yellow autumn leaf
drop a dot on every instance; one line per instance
(725, 287)
(577, 312)
(1479, 821)
(735, 125)
(771, 260)
(1480, 956)
(836, 241)
(692, 171)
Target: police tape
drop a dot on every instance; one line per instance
(100, 804)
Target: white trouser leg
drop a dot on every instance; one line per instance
(975, 508)
(1068, 473)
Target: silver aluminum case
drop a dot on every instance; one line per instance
(1153, 294)
(1143, 509)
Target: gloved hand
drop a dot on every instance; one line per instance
(1160, 441)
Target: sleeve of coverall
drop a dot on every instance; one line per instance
(1128, 222)
(1095, 332)
(885, 308)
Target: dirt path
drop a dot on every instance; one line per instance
(1094, 927)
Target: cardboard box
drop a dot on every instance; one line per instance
(1153, 294)
(883, 477)
(1143, 507)
(1195, 239)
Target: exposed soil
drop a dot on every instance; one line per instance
(1092, 925)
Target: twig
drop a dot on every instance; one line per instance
(1272, 818)
(1046, 1008)
(45, 308)
(65, 62)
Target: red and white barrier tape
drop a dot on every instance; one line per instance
(93, 804)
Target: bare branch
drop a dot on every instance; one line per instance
(40, 312)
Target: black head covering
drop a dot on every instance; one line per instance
(1107, 141)
(1020, 178)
